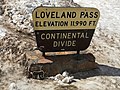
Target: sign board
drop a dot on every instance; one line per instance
(64, 29)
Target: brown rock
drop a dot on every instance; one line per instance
(52, 65)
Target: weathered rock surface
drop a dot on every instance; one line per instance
(53, 65)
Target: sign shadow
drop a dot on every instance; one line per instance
(102, 70)
(80, 66)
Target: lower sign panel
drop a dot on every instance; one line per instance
(63, 40)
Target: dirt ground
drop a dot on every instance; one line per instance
(17, 37)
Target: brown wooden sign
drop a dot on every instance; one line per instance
(64, 29)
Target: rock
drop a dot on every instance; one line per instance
(13, 86)
(1, 7)
(113, 81)
(58, 77)
(68, 79)
(62, 79)
(1, 11)
(65, 74)
(52, 78)
(1, 73)
(53, 65)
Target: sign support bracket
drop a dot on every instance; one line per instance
(78, 52)
(43, 53)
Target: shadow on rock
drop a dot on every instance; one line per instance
(78, 65)
(83, 66)
(71, 63)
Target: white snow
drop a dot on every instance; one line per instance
(13, 86)
(2, 32)
(109, 10)
(51, 1)
(105, 47)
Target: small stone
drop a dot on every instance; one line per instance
(13, 86)
(1, 11)
(58, 77)
(68, 79)
(52, 78)
(113, 81)
(65, 74)
(35, 48)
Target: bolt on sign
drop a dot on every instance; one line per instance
(64, 29)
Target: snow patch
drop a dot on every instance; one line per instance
(63, 78)
(13, 86)
(109, 13)
(2, 32)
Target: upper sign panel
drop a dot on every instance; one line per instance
(53, 18)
